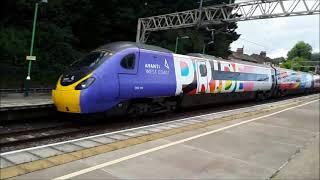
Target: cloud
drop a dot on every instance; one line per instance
(277, 36)
(278, 53)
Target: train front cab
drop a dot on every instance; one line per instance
(82, 87)
(118, 80)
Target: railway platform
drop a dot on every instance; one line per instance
(278, 140)
(17, 101)
(37, 103)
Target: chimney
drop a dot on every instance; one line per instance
(240, 50)
(263, 54)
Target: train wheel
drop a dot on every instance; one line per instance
(260, 96)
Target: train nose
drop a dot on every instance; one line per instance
(66, 100)
(66, 97)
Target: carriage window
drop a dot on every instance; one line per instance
(236, 76)
(262, 77)
(203, 70)
(128, 61)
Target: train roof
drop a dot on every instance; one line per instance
(121, 45)
(205, 56)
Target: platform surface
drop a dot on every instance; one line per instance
(18, 101)
(279, 143)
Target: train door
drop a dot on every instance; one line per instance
(274, 80)
(128, 81)
(202, 76)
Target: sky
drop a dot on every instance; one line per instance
(277, 36)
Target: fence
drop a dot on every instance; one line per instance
(21, 90)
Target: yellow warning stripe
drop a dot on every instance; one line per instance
(25, 168)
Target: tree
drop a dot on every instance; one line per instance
(315, 57)
(298, 64)
(66, 29)
(301, 49)
(298, 56)
(224, 35)
(286, 64)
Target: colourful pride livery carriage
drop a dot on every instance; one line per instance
(126, 77)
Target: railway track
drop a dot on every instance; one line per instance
(23, 138)
(12, 139)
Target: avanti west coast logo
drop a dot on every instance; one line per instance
(166, 63)
(68, 79)
(157, 69)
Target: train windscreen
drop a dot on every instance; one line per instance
(84, 66)
(91, 60)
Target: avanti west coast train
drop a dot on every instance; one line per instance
(126, 77)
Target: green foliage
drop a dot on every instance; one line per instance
(301, 49)
(199, 37)
(299, 56)
(315, 57)
(67, 29)
(13, 44)
(298, 63)
(286, 64)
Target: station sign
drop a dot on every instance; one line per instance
(31, 58)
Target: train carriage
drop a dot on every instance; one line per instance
(293, 82)
(206, 79)
(316, 83)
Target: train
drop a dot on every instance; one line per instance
(133, 78)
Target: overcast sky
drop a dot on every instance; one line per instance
(277, 36)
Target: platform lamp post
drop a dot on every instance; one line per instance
(205, 46)
(177, 42)
(31, 58)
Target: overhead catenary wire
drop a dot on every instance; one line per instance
(221, 14)
(258, 44)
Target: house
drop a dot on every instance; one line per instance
(239, 55)
(261, 58)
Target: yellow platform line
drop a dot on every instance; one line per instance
(28, 167)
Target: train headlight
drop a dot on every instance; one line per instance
(85, 84)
